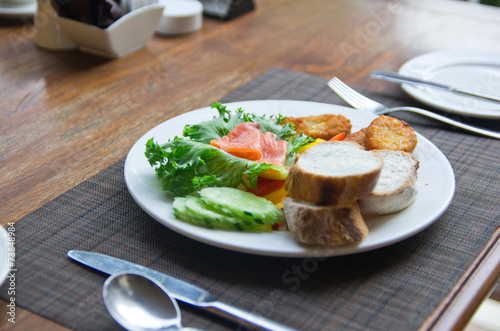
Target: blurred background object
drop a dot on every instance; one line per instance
(226, 10)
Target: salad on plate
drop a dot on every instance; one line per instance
(228, 172)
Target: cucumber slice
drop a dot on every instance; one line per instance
(181, 213)
(241, 205)
(197, 209)
(193, 210)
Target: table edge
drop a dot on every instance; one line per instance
(473, 288)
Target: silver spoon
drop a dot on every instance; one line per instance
(138, 303)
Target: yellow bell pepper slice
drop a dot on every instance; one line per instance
(317, 141)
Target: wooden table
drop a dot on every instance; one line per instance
(65, 116)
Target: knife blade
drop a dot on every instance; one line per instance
(179, 289)
(395, 77)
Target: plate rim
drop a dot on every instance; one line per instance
(308, 252)
(423, 96)
(4, 256)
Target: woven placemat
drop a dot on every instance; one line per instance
(396, 287)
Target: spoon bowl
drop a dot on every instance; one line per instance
(138, 302)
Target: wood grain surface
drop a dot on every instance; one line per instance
(65, 116)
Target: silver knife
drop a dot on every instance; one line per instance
(395, 77)
(179, 289)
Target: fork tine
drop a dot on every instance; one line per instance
(340, 90)
(360, 99)
(350, 96)
(344, 92)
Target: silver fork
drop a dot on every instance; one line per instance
(361, 102)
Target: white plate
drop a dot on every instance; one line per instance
(473, 70)
(4, 260)
(436, 185)
(17, 10)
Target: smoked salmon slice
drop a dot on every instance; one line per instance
(246, 141)
(243, 141)
(273, 150)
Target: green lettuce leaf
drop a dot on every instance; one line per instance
(294, 145)
(220, 126)
(187, 164)
(184, 166)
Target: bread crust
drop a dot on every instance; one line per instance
(319, 189)
(324, 225)
(396, 197)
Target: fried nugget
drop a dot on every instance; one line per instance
(357, 137)
(386, 132)
(321, 126)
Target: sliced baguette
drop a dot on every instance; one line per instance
(333, 172)
(324, 225)
(396, 188)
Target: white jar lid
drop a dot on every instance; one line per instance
(180, 16)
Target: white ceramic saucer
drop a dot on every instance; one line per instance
(180, 16)
(473, 70)
(18, 10)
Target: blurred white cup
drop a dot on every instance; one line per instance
(14, 3)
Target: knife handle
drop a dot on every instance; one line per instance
(244, 317)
